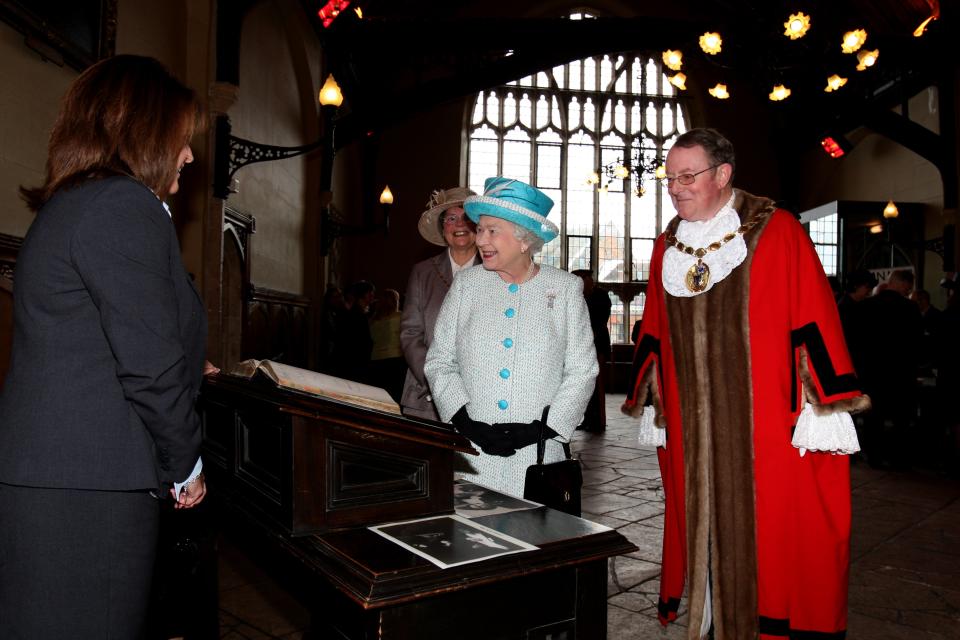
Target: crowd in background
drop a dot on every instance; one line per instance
(905, 351)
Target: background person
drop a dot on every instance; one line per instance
(741, 345)
(444, 223)
(108, 354)
(511, 339)
(386, 358)
(598, 306)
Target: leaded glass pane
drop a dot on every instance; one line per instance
(509, 111)
(493, 110)
(526, 111)
(578, 252)
(615, 325)
(516, 155)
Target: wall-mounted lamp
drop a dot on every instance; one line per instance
(232, 153)
(890, 211)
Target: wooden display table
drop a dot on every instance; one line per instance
(275, 479)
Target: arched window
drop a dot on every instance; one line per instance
(567, 130)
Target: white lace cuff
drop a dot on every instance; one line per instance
(834, 433)
(650, 434)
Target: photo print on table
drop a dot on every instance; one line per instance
(449, 541)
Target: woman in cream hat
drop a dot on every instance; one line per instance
(445, 224)
(512, 339)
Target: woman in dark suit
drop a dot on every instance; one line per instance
(98, 415)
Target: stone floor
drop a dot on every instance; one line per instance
(904, 576)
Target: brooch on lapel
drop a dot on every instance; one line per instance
(551, 296)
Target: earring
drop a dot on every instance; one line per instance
(523, 249)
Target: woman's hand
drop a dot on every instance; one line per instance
(522, 435)
(493, 442)
(209, 369)
(191, 494)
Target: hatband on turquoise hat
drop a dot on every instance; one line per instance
(516, 202)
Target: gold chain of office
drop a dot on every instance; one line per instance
(698, 277)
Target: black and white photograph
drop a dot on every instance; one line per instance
(449, 541)
(472, 500)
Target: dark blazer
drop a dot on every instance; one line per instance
(108, 349)
(427, 287)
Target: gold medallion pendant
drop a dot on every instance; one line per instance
(698, 277)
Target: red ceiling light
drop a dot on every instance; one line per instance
(331, 10)
(835, 146)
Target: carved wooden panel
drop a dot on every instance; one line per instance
(276, 326)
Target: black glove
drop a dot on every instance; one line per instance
(522, 435)
(493, 442)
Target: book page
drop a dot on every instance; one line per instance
(326, 386)
(244, 369)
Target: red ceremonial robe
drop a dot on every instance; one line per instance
(728, 371)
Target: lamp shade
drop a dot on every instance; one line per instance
(386, 197)
(890, 211)
(330, 94)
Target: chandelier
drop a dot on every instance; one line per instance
(642, 168)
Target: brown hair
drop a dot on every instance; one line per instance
(123, 115)
(719, 150)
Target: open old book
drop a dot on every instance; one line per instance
(318, 384)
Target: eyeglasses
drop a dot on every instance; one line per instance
(452, 219)
(686, 178)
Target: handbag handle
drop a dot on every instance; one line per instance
(542, 442)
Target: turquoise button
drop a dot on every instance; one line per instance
(513, 288)
(504, 373)
(508, 342)
(510, 312)
(503, 404)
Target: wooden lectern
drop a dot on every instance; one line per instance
(311, 464)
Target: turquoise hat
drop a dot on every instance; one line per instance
(516, 202)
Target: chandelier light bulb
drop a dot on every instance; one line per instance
(386, 196)
(593, 178)
(877, 228)
(796, 25)
(673, 59)
(867, 59)
(834, 82)
(660, 173)
(779, 93)
(621, 171)
(679, 80)
(711, 42)
(853, 40)
(890, 211)
(719, 91)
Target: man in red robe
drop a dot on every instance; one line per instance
(742, 360)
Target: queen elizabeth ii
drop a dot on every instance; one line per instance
(512, 339)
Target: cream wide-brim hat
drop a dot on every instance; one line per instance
(440, 201)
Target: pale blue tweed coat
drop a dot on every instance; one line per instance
(507, 351)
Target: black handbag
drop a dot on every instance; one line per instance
(555, 485)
